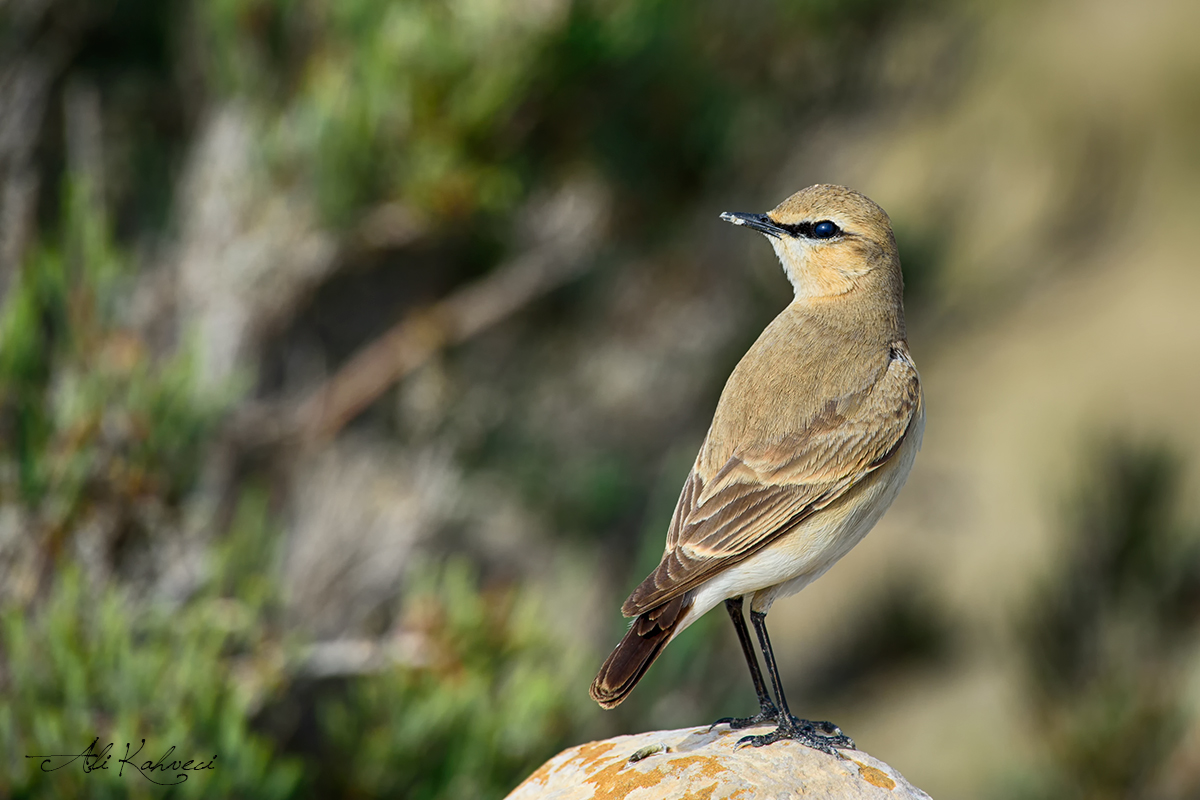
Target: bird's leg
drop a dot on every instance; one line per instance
(823, 736)
(767, 710)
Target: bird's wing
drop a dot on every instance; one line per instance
(761, 493)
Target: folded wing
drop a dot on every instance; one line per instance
(760, 494)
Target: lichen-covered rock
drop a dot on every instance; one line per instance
(697, 763)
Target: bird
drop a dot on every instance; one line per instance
(812, 439)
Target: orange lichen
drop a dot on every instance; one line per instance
(709, 767)
(584, 756)
(876, 777)
(616, 781)
(540, 776)
(611, 784)
(591, 752)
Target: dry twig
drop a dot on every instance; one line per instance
(564, 229)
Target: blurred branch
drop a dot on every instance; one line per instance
(347, 657)
(85, 141)
(389, 226)
(563, 231)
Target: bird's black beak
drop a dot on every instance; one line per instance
(759, 222)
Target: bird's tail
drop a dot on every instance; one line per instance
(630, 659)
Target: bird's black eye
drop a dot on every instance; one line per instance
(825, 230)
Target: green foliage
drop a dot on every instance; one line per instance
(460, 107)
(588, 491)
(1109, 636)
(92, 428)
(95, 432)
(394, 100)
(487, 696)
(89, 421)
(90, 662)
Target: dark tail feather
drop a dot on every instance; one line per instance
(631, 658)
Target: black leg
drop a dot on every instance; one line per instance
(823, 736)
(767, 711)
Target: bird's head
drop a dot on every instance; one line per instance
(831, 241)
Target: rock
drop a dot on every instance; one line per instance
(695, 762)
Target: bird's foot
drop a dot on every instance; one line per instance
(821, 735)
(768, 714)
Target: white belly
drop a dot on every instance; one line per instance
(793, 561)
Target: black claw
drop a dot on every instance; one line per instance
(737, 723)
(823, 736)
(831, 732)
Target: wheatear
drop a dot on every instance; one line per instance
(814, 435)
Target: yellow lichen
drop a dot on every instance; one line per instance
(876, 777)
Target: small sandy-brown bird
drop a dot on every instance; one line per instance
(814, 435)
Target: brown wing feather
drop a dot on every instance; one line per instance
(760, 494)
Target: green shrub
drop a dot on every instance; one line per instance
(488, 695)
(92, 426)
(87, 664)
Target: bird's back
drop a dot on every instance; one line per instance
(808, 364)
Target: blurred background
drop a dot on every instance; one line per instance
(352, 355)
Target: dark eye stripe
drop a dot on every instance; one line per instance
(807, 229)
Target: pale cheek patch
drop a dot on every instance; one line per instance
(791, 257)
